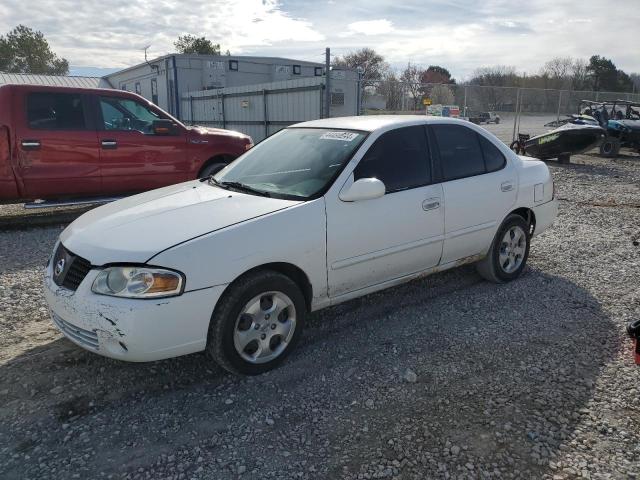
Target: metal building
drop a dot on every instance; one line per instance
(165, 80)
(53, 80)
(262, 109)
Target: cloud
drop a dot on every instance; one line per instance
(369, 27)
(95, 33)
(461, 35)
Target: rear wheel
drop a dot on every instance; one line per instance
(564, 159)
(509, 251)
(610, 147)
(256, 323)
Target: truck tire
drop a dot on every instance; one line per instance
(211, 169)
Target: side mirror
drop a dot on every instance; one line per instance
(363, 189)
(164, 127)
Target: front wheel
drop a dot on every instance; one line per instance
(256, 323)
(509, 251)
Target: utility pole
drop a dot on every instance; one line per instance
(327, 83)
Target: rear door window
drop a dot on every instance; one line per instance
(460, 153)
(399, 158)
(56, 111)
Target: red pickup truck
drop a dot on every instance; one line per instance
(60, 143)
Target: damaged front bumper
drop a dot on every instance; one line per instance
(131, 329)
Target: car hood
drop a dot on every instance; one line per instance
(136, 228)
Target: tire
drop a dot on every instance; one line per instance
(564, 159)
(237, 336)
(211, 169)
(610, 147)
(494, 266)
(497, 121)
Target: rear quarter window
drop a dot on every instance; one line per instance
(493, 158)
(55, 111)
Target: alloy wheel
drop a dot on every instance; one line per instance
(265, 327)
(512, 249)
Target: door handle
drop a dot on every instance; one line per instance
(506, 186)
(431, 204)
(109, 144)
(30, 144)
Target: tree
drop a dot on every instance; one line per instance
(441, 94)
(496, 76)
(604, 72)
(580, 79)
(436, 74)
(24, 50)
(411, 78)
(635, 81)
(557, 72)
(391, 89)
(197, 45)
(370, 62)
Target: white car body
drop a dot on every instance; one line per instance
(341, 249)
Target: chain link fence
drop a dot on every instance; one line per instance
(516, 109)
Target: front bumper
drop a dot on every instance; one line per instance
(131, 329)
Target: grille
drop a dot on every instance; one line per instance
(73, 270)
(87, 338)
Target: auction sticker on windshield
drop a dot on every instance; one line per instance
(344, 136)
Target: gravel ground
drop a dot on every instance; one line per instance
(445, 377)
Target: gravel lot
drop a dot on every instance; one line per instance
(445, 377)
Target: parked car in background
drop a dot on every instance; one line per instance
(484, 117)
(64, 143)
(317, 214)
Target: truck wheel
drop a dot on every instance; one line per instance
(509, 251)
(497, 121)
(256, 323)
(610, 147)
(211, 169)
(564, 159)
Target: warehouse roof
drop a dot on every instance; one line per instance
(53, 80)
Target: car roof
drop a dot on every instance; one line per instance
(370, 123)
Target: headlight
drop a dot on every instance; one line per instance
(138, 282)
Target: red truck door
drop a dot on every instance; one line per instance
(57, 145)
(134, 155)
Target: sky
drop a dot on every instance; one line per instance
(98, 36)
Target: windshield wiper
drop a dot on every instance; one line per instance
(241, 187)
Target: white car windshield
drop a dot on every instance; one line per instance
(295, 163)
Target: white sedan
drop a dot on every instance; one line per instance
(317, 214)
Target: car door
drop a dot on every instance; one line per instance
(57, 145)
(479, 184)
(373, 241)
(134, 157)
